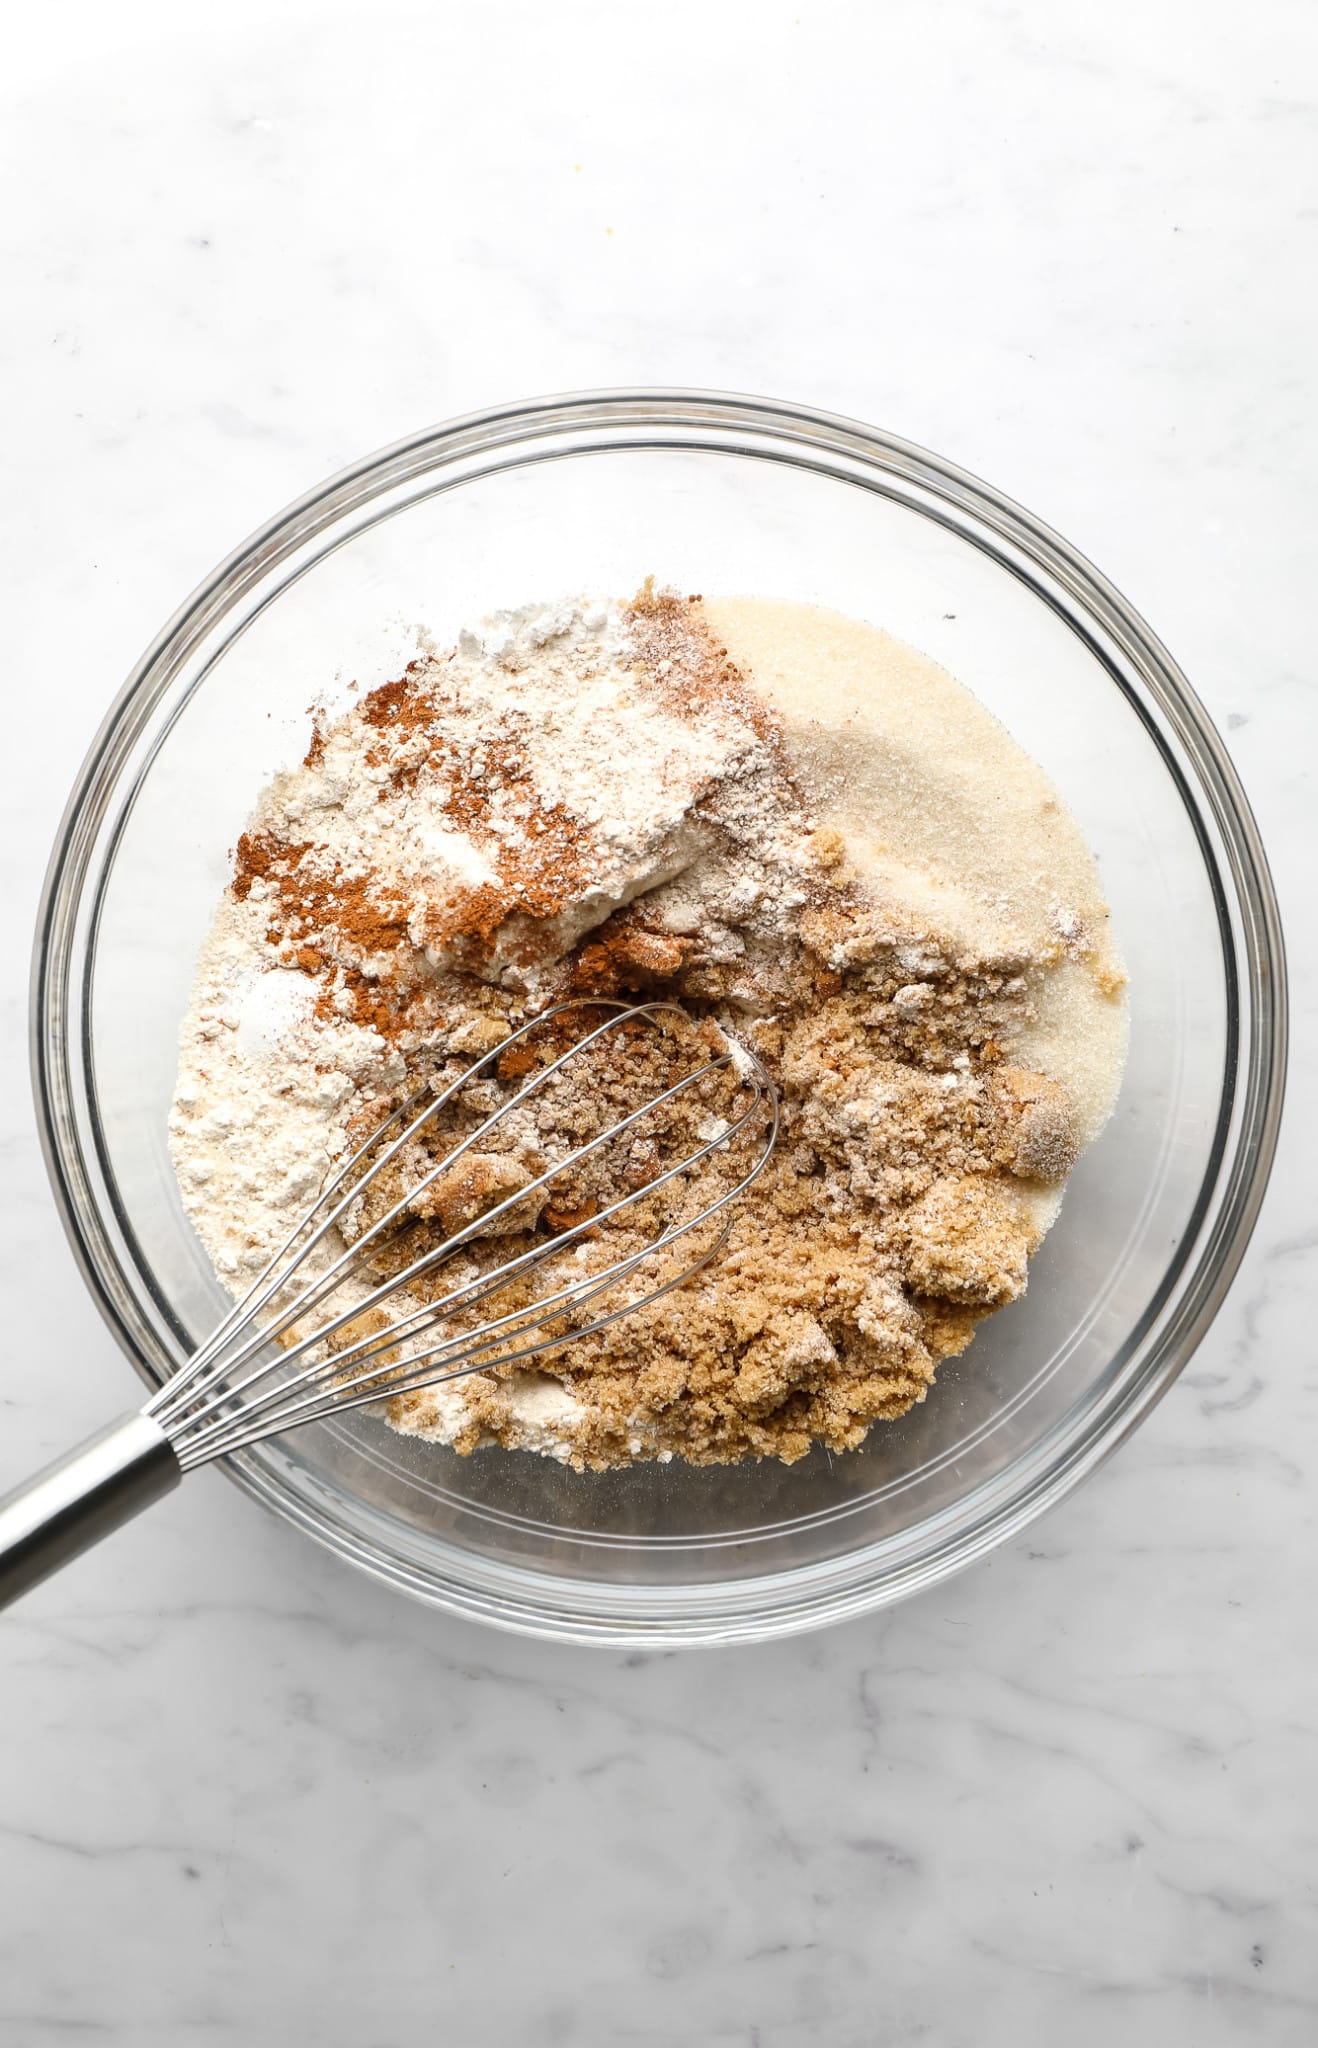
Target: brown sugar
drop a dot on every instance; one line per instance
(884, 1228)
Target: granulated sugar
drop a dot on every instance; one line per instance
(815, 836)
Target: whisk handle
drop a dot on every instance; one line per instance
(80, 1498)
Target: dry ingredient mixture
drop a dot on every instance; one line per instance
(806, 833)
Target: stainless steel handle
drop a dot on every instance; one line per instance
(80, 1498)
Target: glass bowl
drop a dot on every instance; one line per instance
(730, 496)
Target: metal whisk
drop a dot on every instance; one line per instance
(286, 1353)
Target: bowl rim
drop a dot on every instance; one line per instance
(1253, 957)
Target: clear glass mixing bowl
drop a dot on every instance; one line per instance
(731, 496)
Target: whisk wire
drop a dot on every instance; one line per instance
(274, 1275)
(320, 1407)
(343, 1267)
(207, 1412)
(371, 1385)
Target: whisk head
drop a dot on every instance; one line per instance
(475, 1225)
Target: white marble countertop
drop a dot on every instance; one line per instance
(246, 1795)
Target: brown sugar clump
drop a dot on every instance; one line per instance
(481, 1181)
(1034, 1123)
(968, 1240)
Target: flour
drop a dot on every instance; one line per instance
(566, 787)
